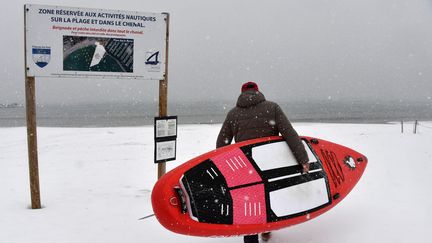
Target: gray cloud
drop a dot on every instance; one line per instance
(296, 50)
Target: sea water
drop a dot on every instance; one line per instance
(139, 114)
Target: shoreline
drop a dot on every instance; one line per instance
(143, 113)
(295, 122)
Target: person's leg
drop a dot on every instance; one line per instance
(266, 236)
(250, 239)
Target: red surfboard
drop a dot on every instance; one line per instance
(254, 186)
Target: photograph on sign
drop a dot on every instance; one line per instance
(165, 150)
(85, 42)
(166, 127)
(99, 54)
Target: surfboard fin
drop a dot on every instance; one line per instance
(146, 217)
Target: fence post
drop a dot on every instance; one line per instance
(402, 126)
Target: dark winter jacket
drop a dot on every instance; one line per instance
(254, 117)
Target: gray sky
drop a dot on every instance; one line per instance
(295, 50)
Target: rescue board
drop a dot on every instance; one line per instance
(254, 186)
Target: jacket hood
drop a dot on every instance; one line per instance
(250, 98)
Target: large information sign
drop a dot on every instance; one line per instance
(81, 42)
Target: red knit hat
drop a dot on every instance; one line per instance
(249, 86)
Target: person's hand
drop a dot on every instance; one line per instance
(305, 167)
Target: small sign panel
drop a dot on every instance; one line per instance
(166, 127)
(165, 132)
(165, 150)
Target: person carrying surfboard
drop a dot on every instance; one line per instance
(255, 117)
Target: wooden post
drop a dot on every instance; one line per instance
(32, 142)
(30, 91)
(415, 126)
(402, 126)
(163, 91)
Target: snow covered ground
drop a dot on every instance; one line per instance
(96, 183)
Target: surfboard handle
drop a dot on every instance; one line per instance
(181, 196)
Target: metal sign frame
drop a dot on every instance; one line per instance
(165, 137)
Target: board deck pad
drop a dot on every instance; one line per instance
(249, 205)
(236, 168)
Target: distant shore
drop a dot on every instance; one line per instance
(11, 105)
(142, 114)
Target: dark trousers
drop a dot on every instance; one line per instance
(251, 239)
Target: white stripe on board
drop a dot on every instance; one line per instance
(229, 165)
(210, 174)
(234, 164)
(238, 162)
(291, 175)
(214, 171)
(242, 161)
(223, 190)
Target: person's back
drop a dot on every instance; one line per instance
(255, 117)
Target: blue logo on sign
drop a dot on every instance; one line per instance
(41, 55)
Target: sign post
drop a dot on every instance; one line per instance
(32, 142)
(30, 91)
(163, 91)
(71, 42)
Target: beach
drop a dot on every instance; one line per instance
(96, 183)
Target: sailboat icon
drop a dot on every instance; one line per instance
(98, 54)
(153, 59)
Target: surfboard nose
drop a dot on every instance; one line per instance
(344, 166)
(165, 202)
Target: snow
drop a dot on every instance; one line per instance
(96, 183)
